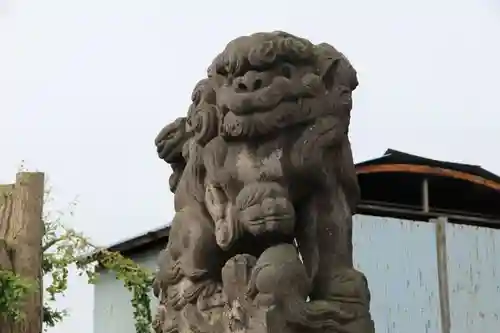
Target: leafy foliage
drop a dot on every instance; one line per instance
(13, 291)
(137, 280)
(63, 249)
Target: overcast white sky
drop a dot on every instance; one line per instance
(86, 85)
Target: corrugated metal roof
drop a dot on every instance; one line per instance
(392, 156)
(141, 240)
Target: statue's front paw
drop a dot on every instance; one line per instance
(227, 231)
(223, 234)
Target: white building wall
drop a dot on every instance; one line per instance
(399, 259)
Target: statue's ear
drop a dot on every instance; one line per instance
(328, 62)
(339, 72)
(335, 69)
(328, 71)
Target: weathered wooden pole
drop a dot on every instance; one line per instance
(21, 233)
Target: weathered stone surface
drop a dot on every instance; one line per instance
(265, 188)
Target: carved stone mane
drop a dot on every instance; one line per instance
(265, 188)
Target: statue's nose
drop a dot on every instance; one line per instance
(248, 82)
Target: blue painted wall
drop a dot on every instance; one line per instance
(474, 278)
(399, 260)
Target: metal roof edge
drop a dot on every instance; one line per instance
(140, 240)
(393, 156)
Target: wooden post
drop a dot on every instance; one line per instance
(442, 266)
(21, 233)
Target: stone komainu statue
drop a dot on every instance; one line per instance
(265, 189)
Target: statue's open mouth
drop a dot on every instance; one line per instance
(257, 220)
(269, 218)
(282, 223)
(170, 140)
(269, 97)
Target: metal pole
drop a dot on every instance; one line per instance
(442, 266)
(425, 195)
